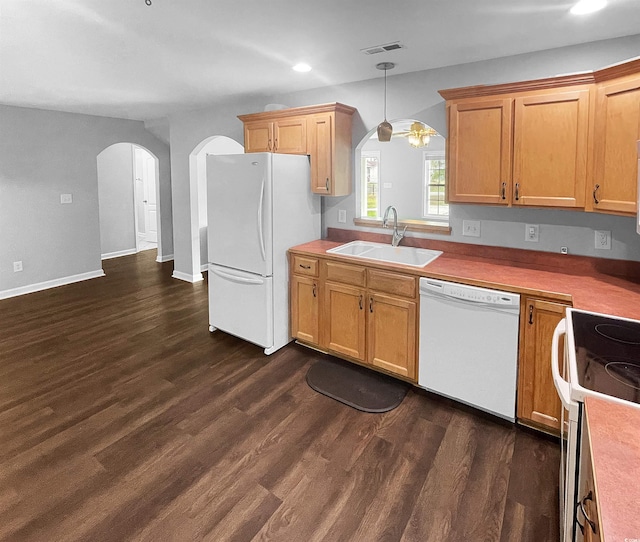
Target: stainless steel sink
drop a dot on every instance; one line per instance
(415, 257)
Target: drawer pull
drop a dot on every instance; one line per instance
(305, 266)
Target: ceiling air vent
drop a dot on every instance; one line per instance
(382, 48)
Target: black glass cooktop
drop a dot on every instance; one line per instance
(607, 354)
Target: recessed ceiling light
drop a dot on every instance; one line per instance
(588, 6)
(302, 67)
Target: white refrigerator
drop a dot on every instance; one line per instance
(258, 206)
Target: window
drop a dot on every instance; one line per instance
(370, 168)
(434, 206)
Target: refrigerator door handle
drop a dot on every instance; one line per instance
(236, 278)
(260, 232)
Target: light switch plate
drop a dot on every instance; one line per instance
(531, 233)
(342, 216)
(66, 198)
(17, 266)
(471, 228)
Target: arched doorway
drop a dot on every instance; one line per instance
(198, 179)
(128, 195)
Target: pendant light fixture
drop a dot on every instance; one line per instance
(384, 128)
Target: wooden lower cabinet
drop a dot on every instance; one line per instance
(305, 321)
(391, 334)
(538, 401)
(344, 323)
(358, 313)
(588, 514)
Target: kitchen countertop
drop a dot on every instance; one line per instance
(591, 291)
(614, 429)
(615, 452)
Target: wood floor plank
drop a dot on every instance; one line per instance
(123, 418)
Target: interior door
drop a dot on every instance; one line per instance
(150, 203)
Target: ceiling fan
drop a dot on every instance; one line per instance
(418, 134)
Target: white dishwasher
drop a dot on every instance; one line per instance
(469, 345)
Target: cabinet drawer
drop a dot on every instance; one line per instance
(347, 274)
(392, 283)
(305, 266)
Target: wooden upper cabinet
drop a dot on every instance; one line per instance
(290, 135)
(617, 130)
(258, 136)
(321, 131)
(479, 157)
(321, 148)
(550, 146)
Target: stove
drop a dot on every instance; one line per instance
(607, 354)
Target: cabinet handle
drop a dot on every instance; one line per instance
(517, 191)
(305, 266)
(591, 523)
(531, 314)
(326, 184)
(314, 289)
(504, 191)
(269, 145)
(360, 302)
(595, 198)
(371, 304)
(275, 145)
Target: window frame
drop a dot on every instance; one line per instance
(364, 207)
(427, 156)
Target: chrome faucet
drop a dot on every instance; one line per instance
(397, 236)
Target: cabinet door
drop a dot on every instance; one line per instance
(345, 320)
(479, 152)
(258, 136)
(290, 135)
(538, 400)
(305, 323)
(320, 141)
(391, 332)
(550, 149)
(617, 130)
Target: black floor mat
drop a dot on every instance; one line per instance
(356, 386)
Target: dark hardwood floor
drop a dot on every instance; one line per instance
(123, 418)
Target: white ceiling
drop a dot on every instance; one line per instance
(122, 58)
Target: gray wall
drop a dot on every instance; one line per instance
(415, 95)
(116, 199)
(47, 153)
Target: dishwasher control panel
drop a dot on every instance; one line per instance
(468, 293)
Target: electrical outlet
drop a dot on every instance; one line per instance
(387, 185)
(17, 266)
(564, 250)
(342, 216)
(66, 198)
(603, 240)
(531, 233)
(471, 228)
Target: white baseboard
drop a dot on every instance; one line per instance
(204, 267)
(162, 259)
(22, 290)
(187, 277)
(119, 253)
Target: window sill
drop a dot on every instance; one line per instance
(424, 226)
